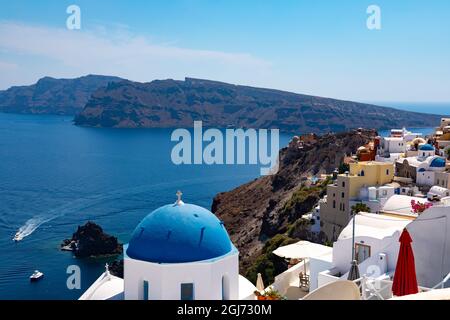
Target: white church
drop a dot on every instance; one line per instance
(178, 252)
(427, 166)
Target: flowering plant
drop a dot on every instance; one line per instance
(418, 207)
(270, 294)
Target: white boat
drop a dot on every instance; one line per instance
(37, 275)
(18, 237)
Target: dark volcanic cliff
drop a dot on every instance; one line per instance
(265, 207)
(52, 96)
(170, 103)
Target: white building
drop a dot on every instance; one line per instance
(401, 205)
(423, 167)
(372, 233)
(374, 197)
(408, 190)
(178, 252)
(396, 145)
(438, 193)
(377, 246)
(314, 218)
(426, 171)
(408, 136)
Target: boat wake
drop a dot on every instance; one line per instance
(82, 204)
(29, 227)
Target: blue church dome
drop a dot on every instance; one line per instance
(178, 233)
(426, 147)
(438, 163)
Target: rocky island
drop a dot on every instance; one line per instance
(91, 241)
(52, 96)
(106, 101)
(175, 104)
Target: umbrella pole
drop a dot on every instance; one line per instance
(353, 237)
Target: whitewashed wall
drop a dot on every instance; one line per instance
(430, 233)
(165, 279)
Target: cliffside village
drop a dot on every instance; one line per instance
(387, 175)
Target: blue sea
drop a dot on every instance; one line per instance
(55, 176)
(439, 108)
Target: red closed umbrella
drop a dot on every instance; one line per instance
(405, 281)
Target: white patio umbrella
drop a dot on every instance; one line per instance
(302, 250)
(260, 283)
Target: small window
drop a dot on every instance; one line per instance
(145, 290)
(334, 204)
(363, 173)
(387, 172)
(362, 252)
(343, 184)
(187, 291)
(343, 194)
(343, 207)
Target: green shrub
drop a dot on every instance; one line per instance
(360, 207)
(328, 243)
(296, 225)
(268, 264)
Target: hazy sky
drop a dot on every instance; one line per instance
(320, 47)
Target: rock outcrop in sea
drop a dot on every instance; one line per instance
(91, 241)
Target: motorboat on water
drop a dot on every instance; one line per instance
(18, 237)
(37, 275)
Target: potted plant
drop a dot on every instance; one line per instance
(270, 294)
(259, 296)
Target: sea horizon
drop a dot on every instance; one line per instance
(436, 108)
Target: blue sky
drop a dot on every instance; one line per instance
(318, 47)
